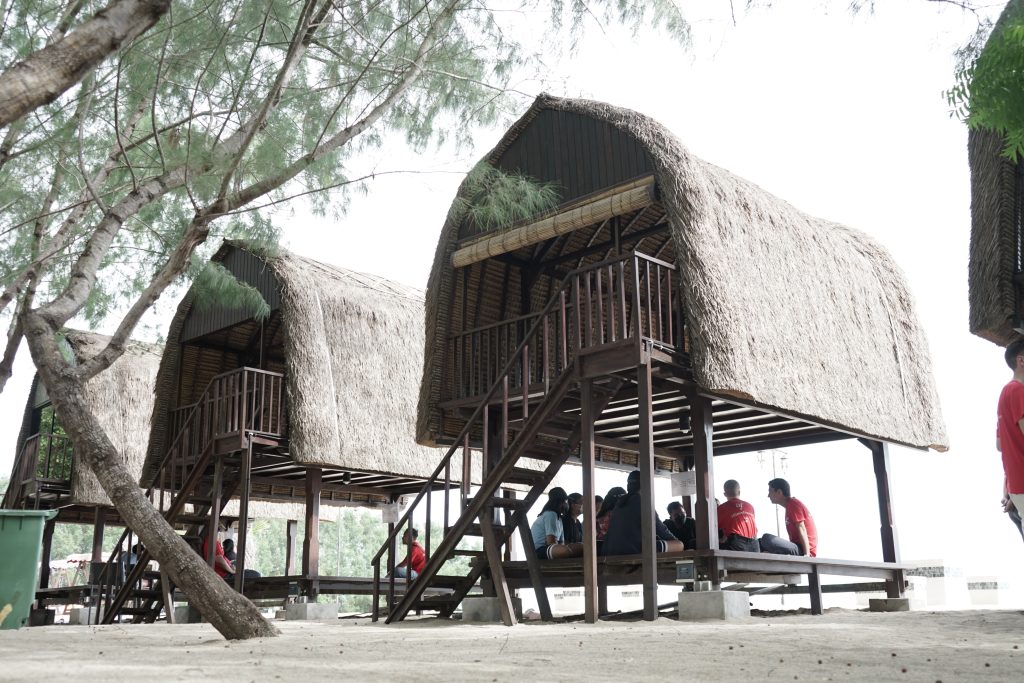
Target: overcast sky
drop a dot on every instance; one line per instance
(844, 118)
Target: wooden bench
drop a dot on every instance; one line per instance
(721, 567)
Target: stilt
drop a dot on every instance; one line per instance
(243, 517)
(591, 609)
(887, 528)
(649, 570)
(291, 533)
(215, 505)
(705, 512)
(311, 544)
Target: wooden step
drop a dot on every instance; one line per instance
(150, 594)
(135, 610)
(474, 530)
(520, 475)
(448, 581)
(463, 552)
(505, 503)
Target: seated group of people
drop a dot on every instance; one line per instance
(557, 532)
(224, 560)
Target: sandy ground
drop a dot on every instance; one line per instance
(842, 645)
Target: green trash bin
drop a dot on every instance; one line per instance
(21, 545)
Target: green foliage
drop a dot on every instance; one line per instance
(494, 198)
(989, 89)
(217, 286)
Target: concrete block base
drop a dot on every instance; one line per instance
(487, 610)
(41, 617)
(889, 604)
(713, 605)
(82, 616)
(185, 614)
(311, 611)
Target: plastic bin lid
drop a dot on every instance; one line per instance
(46, 514)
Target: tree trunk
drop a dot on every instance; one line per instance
(41, 77)
(233, 615)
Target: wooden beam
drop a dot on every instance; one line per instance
(590, 587)
(243, 517)
(508, 615)
(706, 512)
(533, 566)
(623, 201)
(649, 569)
(98, 525)
(890, 543)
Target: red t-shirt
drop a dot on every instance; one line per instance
(218, 552)
(797, 512)
(1011, 439)
(736, 516)
(418, 558)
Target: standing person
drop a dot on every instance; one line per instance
(414, 560)
(681, 525)
(1010, 427)
(548, 532)
(571, 524)
(625, 532)
(803, 535)
(737, 529)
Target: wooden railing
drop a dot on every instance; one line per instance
(624, 298)
(43, 459)
(246, 400)
(619, 300)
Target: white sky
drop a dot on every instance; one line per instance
(844, 118)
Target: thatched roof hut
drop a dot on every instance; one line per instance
(798, 314)
(997, 192)
(121, 397)
(349, 345)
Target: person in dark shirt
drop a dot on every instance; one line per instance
(604, 515)
(681, 525)
(571, 525)
(229, 549)
(625, 536)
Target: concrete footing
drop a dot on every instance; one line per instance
(889, 604)
(82, 616)
(698, 605)
(487, 610)
(186, 614)
(311, 611)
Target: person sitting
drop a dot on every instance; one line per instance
(803, 534)
(412, 566)
(737, 529)
(604, 515)
(548, 532)
(225, 568)
(229, 549)
(571, 524)
(681, 525)
(625, 536)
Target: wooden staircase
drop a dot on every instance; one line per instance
(206, 464)
(519, 406)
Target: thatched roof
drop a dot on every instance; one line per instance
(794, 312)
(121, 397)
(352, 359)
(993, 255)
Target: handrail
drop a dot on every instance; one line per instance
(520, 355)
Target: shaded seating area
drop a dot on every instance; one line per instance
(664, 313)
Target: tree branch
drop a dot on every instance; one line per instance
(44, 75)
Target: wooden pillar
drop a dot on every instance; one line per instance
(649, 568)
(243, 515)
(215, 505)
(887, 527)
(98, 525)
(291, 533)
(706, 512)
(44, 566)
(311, 544)
(591, 608)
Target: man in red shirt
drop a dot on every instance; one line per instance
(415, 559)
(1010, 428)
(803, 534)
(737, 529)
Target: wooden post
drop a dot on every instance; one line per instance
(44, 567)
(215, 505)
(243, 516)
(291, 533)
(98, 525)
(890, 542)
(590, 589)
(311, 544)
(706, 512)
(649, 569)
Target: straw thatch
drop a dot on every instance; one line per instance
(121, 398)
(994, 308)
(353, 357)
(795, 312)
